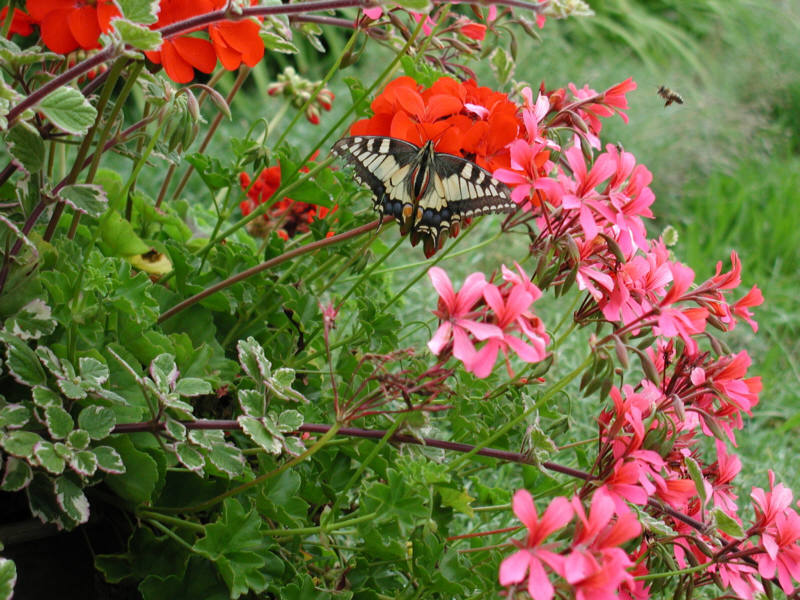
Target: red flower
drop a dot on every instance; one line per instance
(236, 42)
(67, 25)
(21, 22)
(463, 119)
(290, 217)
(181, 55)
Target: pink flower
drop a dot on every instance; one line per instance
(374, 12)
(456, 317)
(782, 552)
(596, 567)
(512, 316)
(752, 298)
(768, 505)
(532, 556)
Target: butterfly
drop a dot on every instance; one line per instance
(670, 96)
(428, 193)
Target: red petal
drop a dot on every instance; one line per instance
(105, 12)
(443, 106)
(55, 36)
(243, 36)
(82, 23)
(197, 52)
(176, 67)
(39, 9)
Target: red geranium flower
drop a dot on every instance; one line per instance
(21, 22)
(463, 119)
(67, 25)
(289, 216)
(181, 55)
(236, 42)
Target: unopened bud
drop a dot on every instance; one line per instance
(312, 114)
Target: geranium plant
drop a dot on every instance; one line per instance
(218, 347)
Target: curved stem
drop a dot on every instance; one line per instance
(264, 266)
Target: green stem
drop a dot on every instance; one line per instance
(320, 528)
(555, 389)
(149, 514)
(166, 530)
(664, 575)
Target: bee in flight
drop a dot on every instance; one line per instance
(669, 95)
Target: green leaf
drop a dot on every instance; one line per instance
(68, 110)
(26, 146)
(98, 421)
(193, 386)
(237, 547)
(139, 11)
(136, 35)
(697, 477)
(141, 475)
(109, 460)
(253, 360)
(14, 415)
(422, 6)
(48, 458)
(290, 420)
(190, 457)
(20, 443)
(272, 41)
(456, 499)
(44, 397)
(396, 498)
(175, 429)
(198, 582)
(255, 430)
(281, 500)
(120, 236)
(17, 476)
(59, 422)
(93, 372)
(85, 198)
(71, 389)
(227, 458)
(70, 498)
(78, 439)
(252, 402)
(32, 321)
(22, 363)
(727, 524)
(502, 64)
(8, 578)
(83, 463)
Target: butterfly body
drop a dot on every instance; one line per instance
(428, 193)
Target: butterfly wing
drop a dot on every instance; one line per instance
(459, 190)
(455, 188)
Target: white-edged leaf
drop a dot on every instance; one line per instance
(139, 11)
(78, 439)
(85, 198)
(92, 371)
(255, 430)
(22, 363)
(20, 443)
(59, 422)
(68, 110)
(32, 321)
(71, 500)
(98, 421)
(227, 458)
(137, 36)
(8, 578)
(48, 458)
(14, 415)
(17, 475)
(252, 402)
(290, 420)
(44, 397)
(276, 43)
(193, 386)
(109, 460)
(26, 146)
(83, 463)
(190, 457)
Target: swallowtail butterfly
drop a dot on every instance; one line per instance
(669, 95)
(427, 192)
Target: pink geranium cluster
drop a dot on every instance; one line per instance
(591, 565)
(497, 315)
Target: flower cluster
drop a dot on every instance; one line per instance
(592, 564)
(463, 119)
(68, 25)
(298, 90)
(499, 316)
(288, 217)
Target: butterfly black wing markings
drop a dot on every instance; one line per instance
(428, 193)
